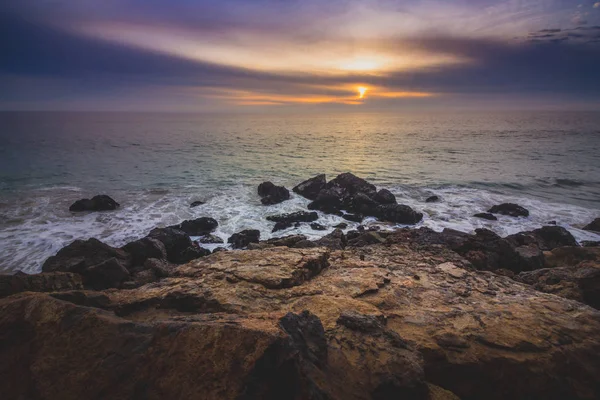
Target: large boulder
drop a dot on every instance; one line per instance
(197, 227)
(108, 274)
(311, 187)
(511, 209)
(488, 216)
(44, 282)
(336, 240)
(145, 248)
(353, 184)
(386, 321)
(330, 200)
(546, 238)
(272, 194)
(97, 203)
(244, 238)
(175, 241)
(593, 226)
(384, 196)
(83, 254)
(398, 213)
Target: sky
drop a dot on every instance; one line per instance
(246, 55)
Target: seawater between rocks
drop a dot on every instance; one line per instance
(155, 165)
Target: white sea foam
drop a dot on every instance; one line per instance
(36, 228)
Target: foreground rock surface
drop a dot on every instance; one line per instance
(384, 321)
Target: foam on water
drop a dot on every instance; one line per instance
(35, 228)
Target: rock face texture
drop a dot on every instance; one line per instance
(272, 194)
(97, 203)
(593, 226)
(395, 320)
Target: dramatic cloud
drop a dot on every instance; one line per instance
(204, 55)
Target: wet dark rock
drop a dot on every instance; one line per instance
(593, 226)
(142, 249)
(271, 194)
(300, 216)
(280, 226)
(44, 282)
(511, 209)
(398, 213)
(341, 225)
(286, 241)
(197, 203)
(210, 239)
(82, 254)
(353, 217)
(531, 257)
(589, 243)
(176, 242)
(352, 184)
(360, 203)
(108, 274)
(311, 187)
(546, 238)
(96, 203)
(384, 196)
(336, 240)
(197, 227)
(244, 238)
(191, 253)
(330, 200)
(219, 249)
(317, 227)
(488, 216)
(432, 199)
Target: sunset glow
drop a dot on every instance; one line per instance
(361, 92)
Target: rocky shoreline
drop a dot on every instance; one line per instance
(404, 313)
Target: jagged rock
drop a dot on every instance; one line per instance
(83, 254)
(192, 253)
(575, 274)
(210, 239)
(176, 242)
(97, 203)
(244, 238)
(488, 216)
(589, 243)
(197, 203)
(143, 249)
(545, 238)
(352, 184)
(318, 227)
(197, 227)
(330, 200)
(432, 199)
(341, 225)
(398, 213)
(384, 196)
(272, 194)
(287, 241)
(305, 244)
(593, 226)
(44, 282)
(311, 187)
(360, 203)
(382, 321)
(511, 209)
(300, 216)
(336, 240)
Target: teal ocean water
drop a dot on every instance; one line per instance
(155, 165)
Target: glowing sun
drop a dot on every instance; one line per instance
(361, 92)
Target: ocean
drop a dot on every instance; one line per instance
(156, 164)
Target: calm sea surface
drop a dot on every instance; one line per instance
(156, 164)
